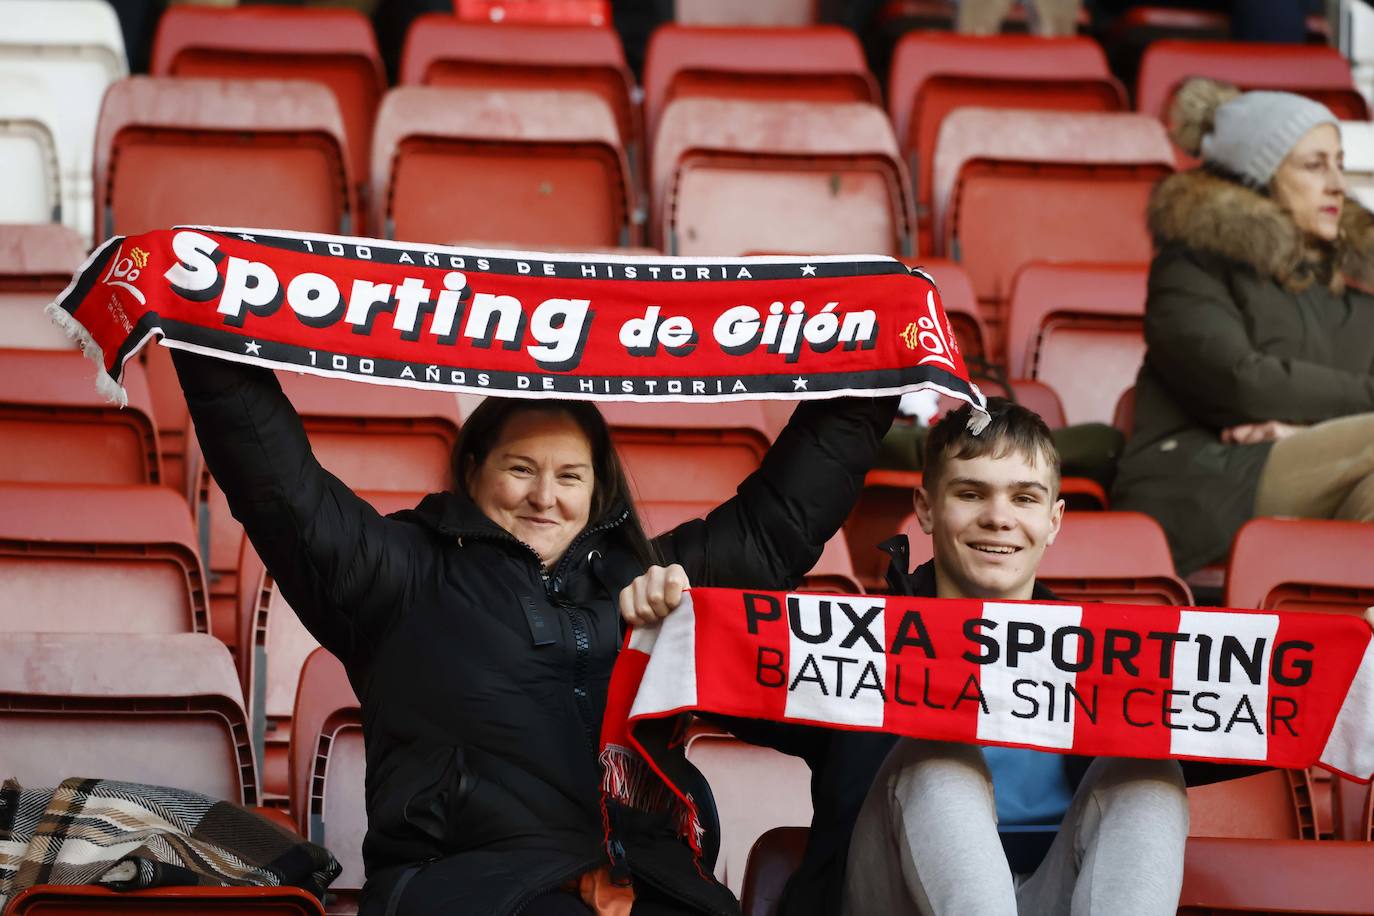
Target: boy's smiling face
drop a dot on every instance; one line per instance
(990, 519)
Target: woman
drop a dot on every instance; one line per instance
(479, 630)
(1258, 384)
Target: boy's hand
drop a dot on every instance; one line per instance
(651, 596)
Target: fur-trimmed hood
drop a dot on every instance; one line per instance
(1212, 214)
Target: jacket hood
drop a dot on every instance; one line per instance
(1209, 213)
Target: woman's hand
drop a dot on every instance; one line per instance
(1369, 617)
(1254, 433)
(651, 596)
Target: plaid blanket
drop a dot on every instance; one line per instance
(129, 837)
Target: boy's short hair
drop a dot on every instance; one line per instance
(1012, 429)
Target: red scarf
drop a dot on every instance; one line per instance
(1273, 688)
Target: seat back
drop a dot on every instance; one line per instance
(156, 709)
(1080, 329)
(1015, 187)
(98, 559)
(1301, 565)
(816, 63)
(775, 856)
(1274, 804)
(327, 766)
(1275, 878)
(57, 427)
(524, 12)
(519, 167)
(81, 900)
(442, 50)
(756, 789)
(1316, 71)
(772, 13)
(36, 263)
(933, 73)
(334, 47)
(30, 170)
(75, 50)
(730, 177)
(276, 148)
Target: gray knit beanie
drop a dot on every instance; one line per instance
(1249, 133)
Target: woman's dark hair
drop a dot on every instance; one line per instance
(611, 490)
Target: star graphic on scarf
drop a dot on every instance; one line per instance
(253, 348)
(246, 237)
(808, 271)
(799, 384)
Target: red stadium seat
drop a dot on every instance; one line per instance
(1015, 187)
(934, 73)
(36, 263)
(85, 900)
(373, 438)
(1274, 804)
(58, 428)
(884, 508)
(729, 177)
(552, 12)
(246, 153)
(775, 855)
(334, 47)
(1316, 71)
(519, 167)
(97, 559)
(960, 302)
(1294, 564)
(327, 770)
(275, 645)
(756, 789)
(445, 51)
(770, 13)
(820, 63)
(157, 709)
(1080, 329)
(1276, 878)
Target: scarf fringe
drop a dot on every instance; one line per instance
(104, 383)
(629, 780)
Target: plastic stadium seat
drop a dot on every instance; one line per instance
(1276, 878)
(1080, 329)
(776, 854)
(961, 304)
(275, 645)
(1013, 187)
(523, 167)
(1357, 137)
(934, 73)
(30, 170)
(444, 51)
(157, 709)
(96, 559)
(57, 427)
(1274, 804)
(1316, 71)
(756, 789)
(773, 13)
(334, 47)
(1291, 564)
(819, 63)
(86, 900)
(36, 263)
(75, 50)
(374, 438)
(730, 177)
(276, 149)
(327, 770)
(560, 12)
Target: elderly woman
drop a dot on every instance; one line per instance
(479, 631)
(1257, 392)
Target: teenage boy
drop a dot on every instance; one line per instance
(927, 837)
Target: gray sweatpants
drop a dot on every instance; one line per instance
(926, 841)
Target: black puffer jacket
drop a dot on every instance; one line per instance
(482, 684)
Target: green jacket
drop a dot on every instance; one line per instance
(1240, 327)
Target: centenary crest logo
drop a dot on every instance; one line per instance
(125, 270)
(925, 333)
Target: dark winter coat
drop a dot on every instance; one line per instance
(1241, 326)
(482, 684)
